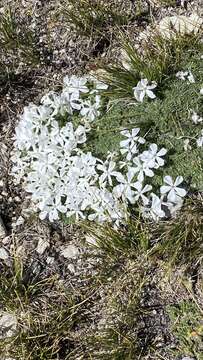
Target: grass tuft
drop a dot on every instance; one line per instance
(180, 241)
(158, 59)
(17, 43)
(97, 17)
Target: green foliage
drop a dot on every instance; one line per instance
(165, 121)
(158, 59)
(129, 240)
(186, 324)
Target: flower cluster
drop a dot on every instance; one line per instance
(64, 179)
(79, 94)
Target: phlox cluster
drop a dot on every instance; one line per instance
(62, 178)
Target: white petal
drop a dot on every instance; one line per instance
(149, 172)
(153, 148)
(135, 131)
(147, 188)
(43, 215)
(164, 189)
(162, 152)
(125, 143)
(142, 95)
(138, 185)
(168, 180)
(125, 133)
(172, 195)
(181, 192)
(151, 94)
(178, 180)
(140, 176)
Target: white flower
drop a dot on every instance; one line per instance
(155, 211)
(75, 85)
(90, 110)
(124, 189)
(199, 141)
(196, 118)
(108, 170)
(129, 146)
(191, 78)
(72, 100)
(52, 210)
(185, 75)
(182, 75)
(171, 188)
(57, 103)
(142, 169)
(143, 89)
(153, 156)
(140, 191)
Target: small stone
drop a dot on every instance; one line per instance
(71, 268)
(8, 325)
(4, 255)
(42, 246)
(70, 252)
(20, 252)
(50, 260)
(20, 221)
(1, 183)
(6, 240)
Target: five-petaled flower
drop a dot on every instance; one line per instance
(172, 188)
(143, 88)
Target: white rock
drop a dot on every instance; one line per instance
(1, 183)
(42, 246)
(8, 325)
(70, 252)
(4, 254)
(170, 25)
(125, 60)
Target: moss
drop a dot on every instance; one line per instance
(165, 121)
